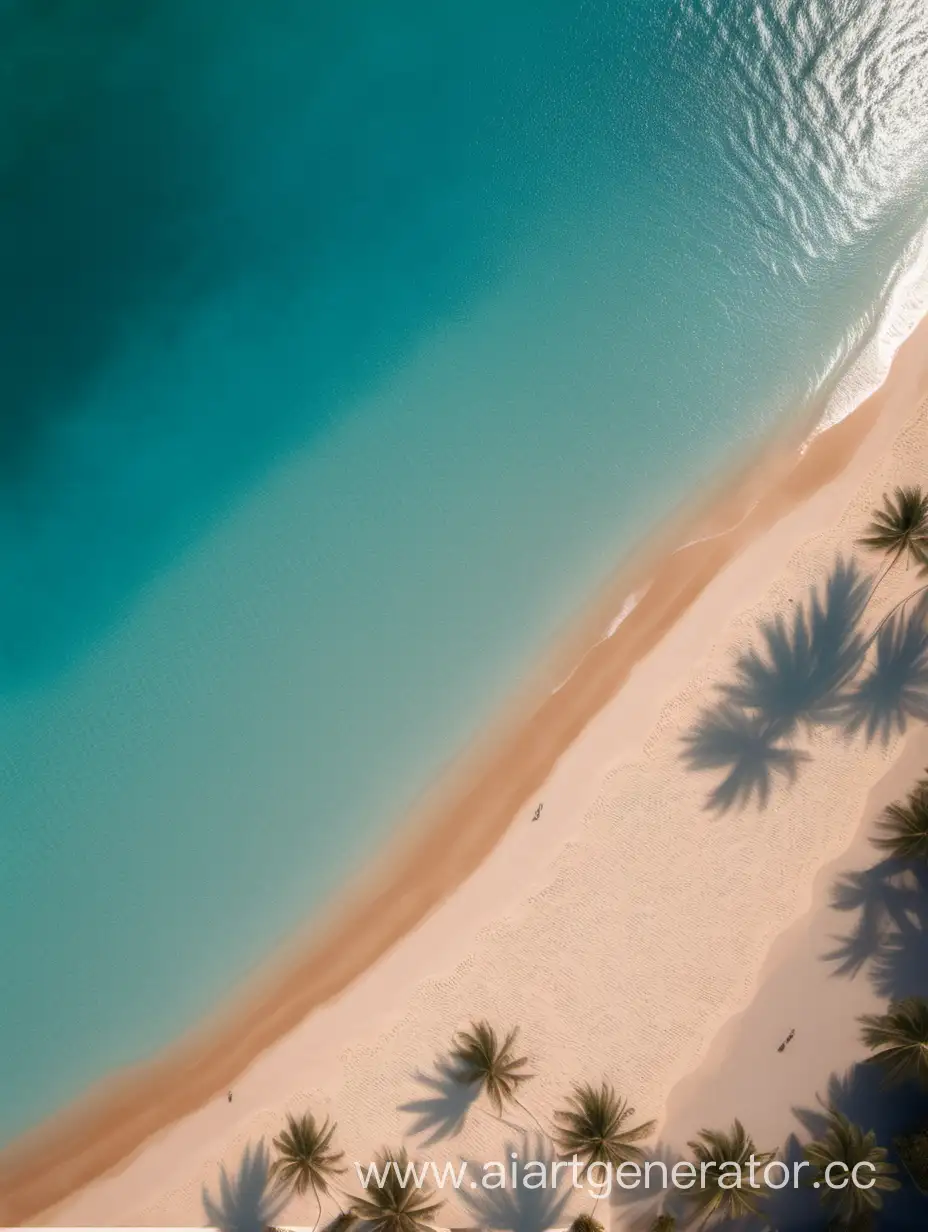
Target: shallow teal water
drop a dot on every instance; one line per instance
(341, 358)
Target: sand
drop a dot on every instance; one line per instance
(800, 988)
(621, 930)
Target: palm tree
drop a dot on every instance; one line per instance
(586, 1223)
(244, 1198)
(913, 1151)
(397, 1203)
(479, 1058)
(304, 1158)
(904, 827)
(716, 1148)
(899, 1039)
(591, 1127)
(664, 1223)
(899, 529)
(846, 1143)
(342, 1221)
(916, 621)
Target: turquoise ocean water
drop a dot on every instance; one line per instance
(344, 349)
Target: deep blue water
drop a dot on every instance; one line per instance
(344, 349)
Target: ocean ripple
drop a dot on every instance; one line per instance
(826, 115)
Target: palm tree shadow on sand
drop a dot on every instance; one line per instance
(520, 1208)
(881, 896)
(798, 673)
(861, 1095)
(795, 1208)
(443, 1110)
(893, 689)
(248, 1201)
(817, 668)
(726, 738)
(635, 1208)
(891, 932)
(797, 676)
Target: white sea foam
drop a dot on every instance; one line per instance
(623, 614)
(557, 688)
(875, 342)
(826, 143)
(868, 351)
(717, 534)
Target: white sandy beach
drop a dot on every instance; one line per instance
(630, 933)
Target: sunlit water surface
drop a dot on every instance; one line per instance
(344, 350)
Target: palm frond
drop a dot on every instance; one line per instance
(846, 1143)
(343, 1221)
(663, 1223)
(480, 1058)
(592, 1127)
(903, 828)
(305, 1158)
(397, 1202)
(899, 1040)
(715, 1149)
(586, 1223)
(901, 526)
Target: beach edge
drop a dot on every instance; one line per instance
(457, 827)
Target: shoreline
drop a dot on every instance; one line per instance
(460, 824)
